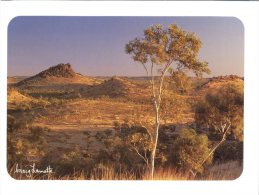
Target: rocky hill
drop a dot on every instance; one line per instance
(61, 73)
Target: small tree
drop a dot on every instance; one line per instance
(136, 139)
(222, 113)
(164, 50)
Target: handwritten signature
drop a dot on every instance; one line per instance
(31, 169)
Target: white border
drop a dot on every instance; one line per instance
(247, 12)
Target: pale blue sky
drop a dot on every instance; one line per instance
(96, 45)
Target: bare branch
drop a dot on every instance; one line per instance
(145, 68)
(143, 157)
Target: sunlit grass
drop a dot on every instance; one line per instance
(226, 171)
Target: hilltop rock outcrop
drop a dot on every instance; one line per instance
(60, 70)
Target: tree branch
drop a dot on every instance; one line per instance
(162, 81)
(143, 158)
(152, 81)
(145, 68)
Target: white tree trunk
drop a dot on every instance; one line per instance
(155, 139)
(157, 102)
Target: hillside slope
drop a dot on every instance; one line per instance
(217, 82)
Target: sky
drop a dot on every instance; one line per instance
(95, 46)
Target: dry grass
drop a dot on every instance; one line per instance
(17, 100)
(168, 174)
(227, 171)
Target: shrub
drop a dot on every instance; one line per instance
(189, 150)
(222, 111)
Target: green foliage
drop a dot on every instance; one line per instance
(132, 143)
(140, 143)
(221, 109)
(128, 147)
(164, 46)
(139, 140)
(189, 150)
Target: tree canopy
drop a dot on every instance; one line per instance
(190, 149)
(222, 111)
(166, 47)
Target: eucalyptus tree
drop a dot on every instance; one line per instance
(160, 52)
